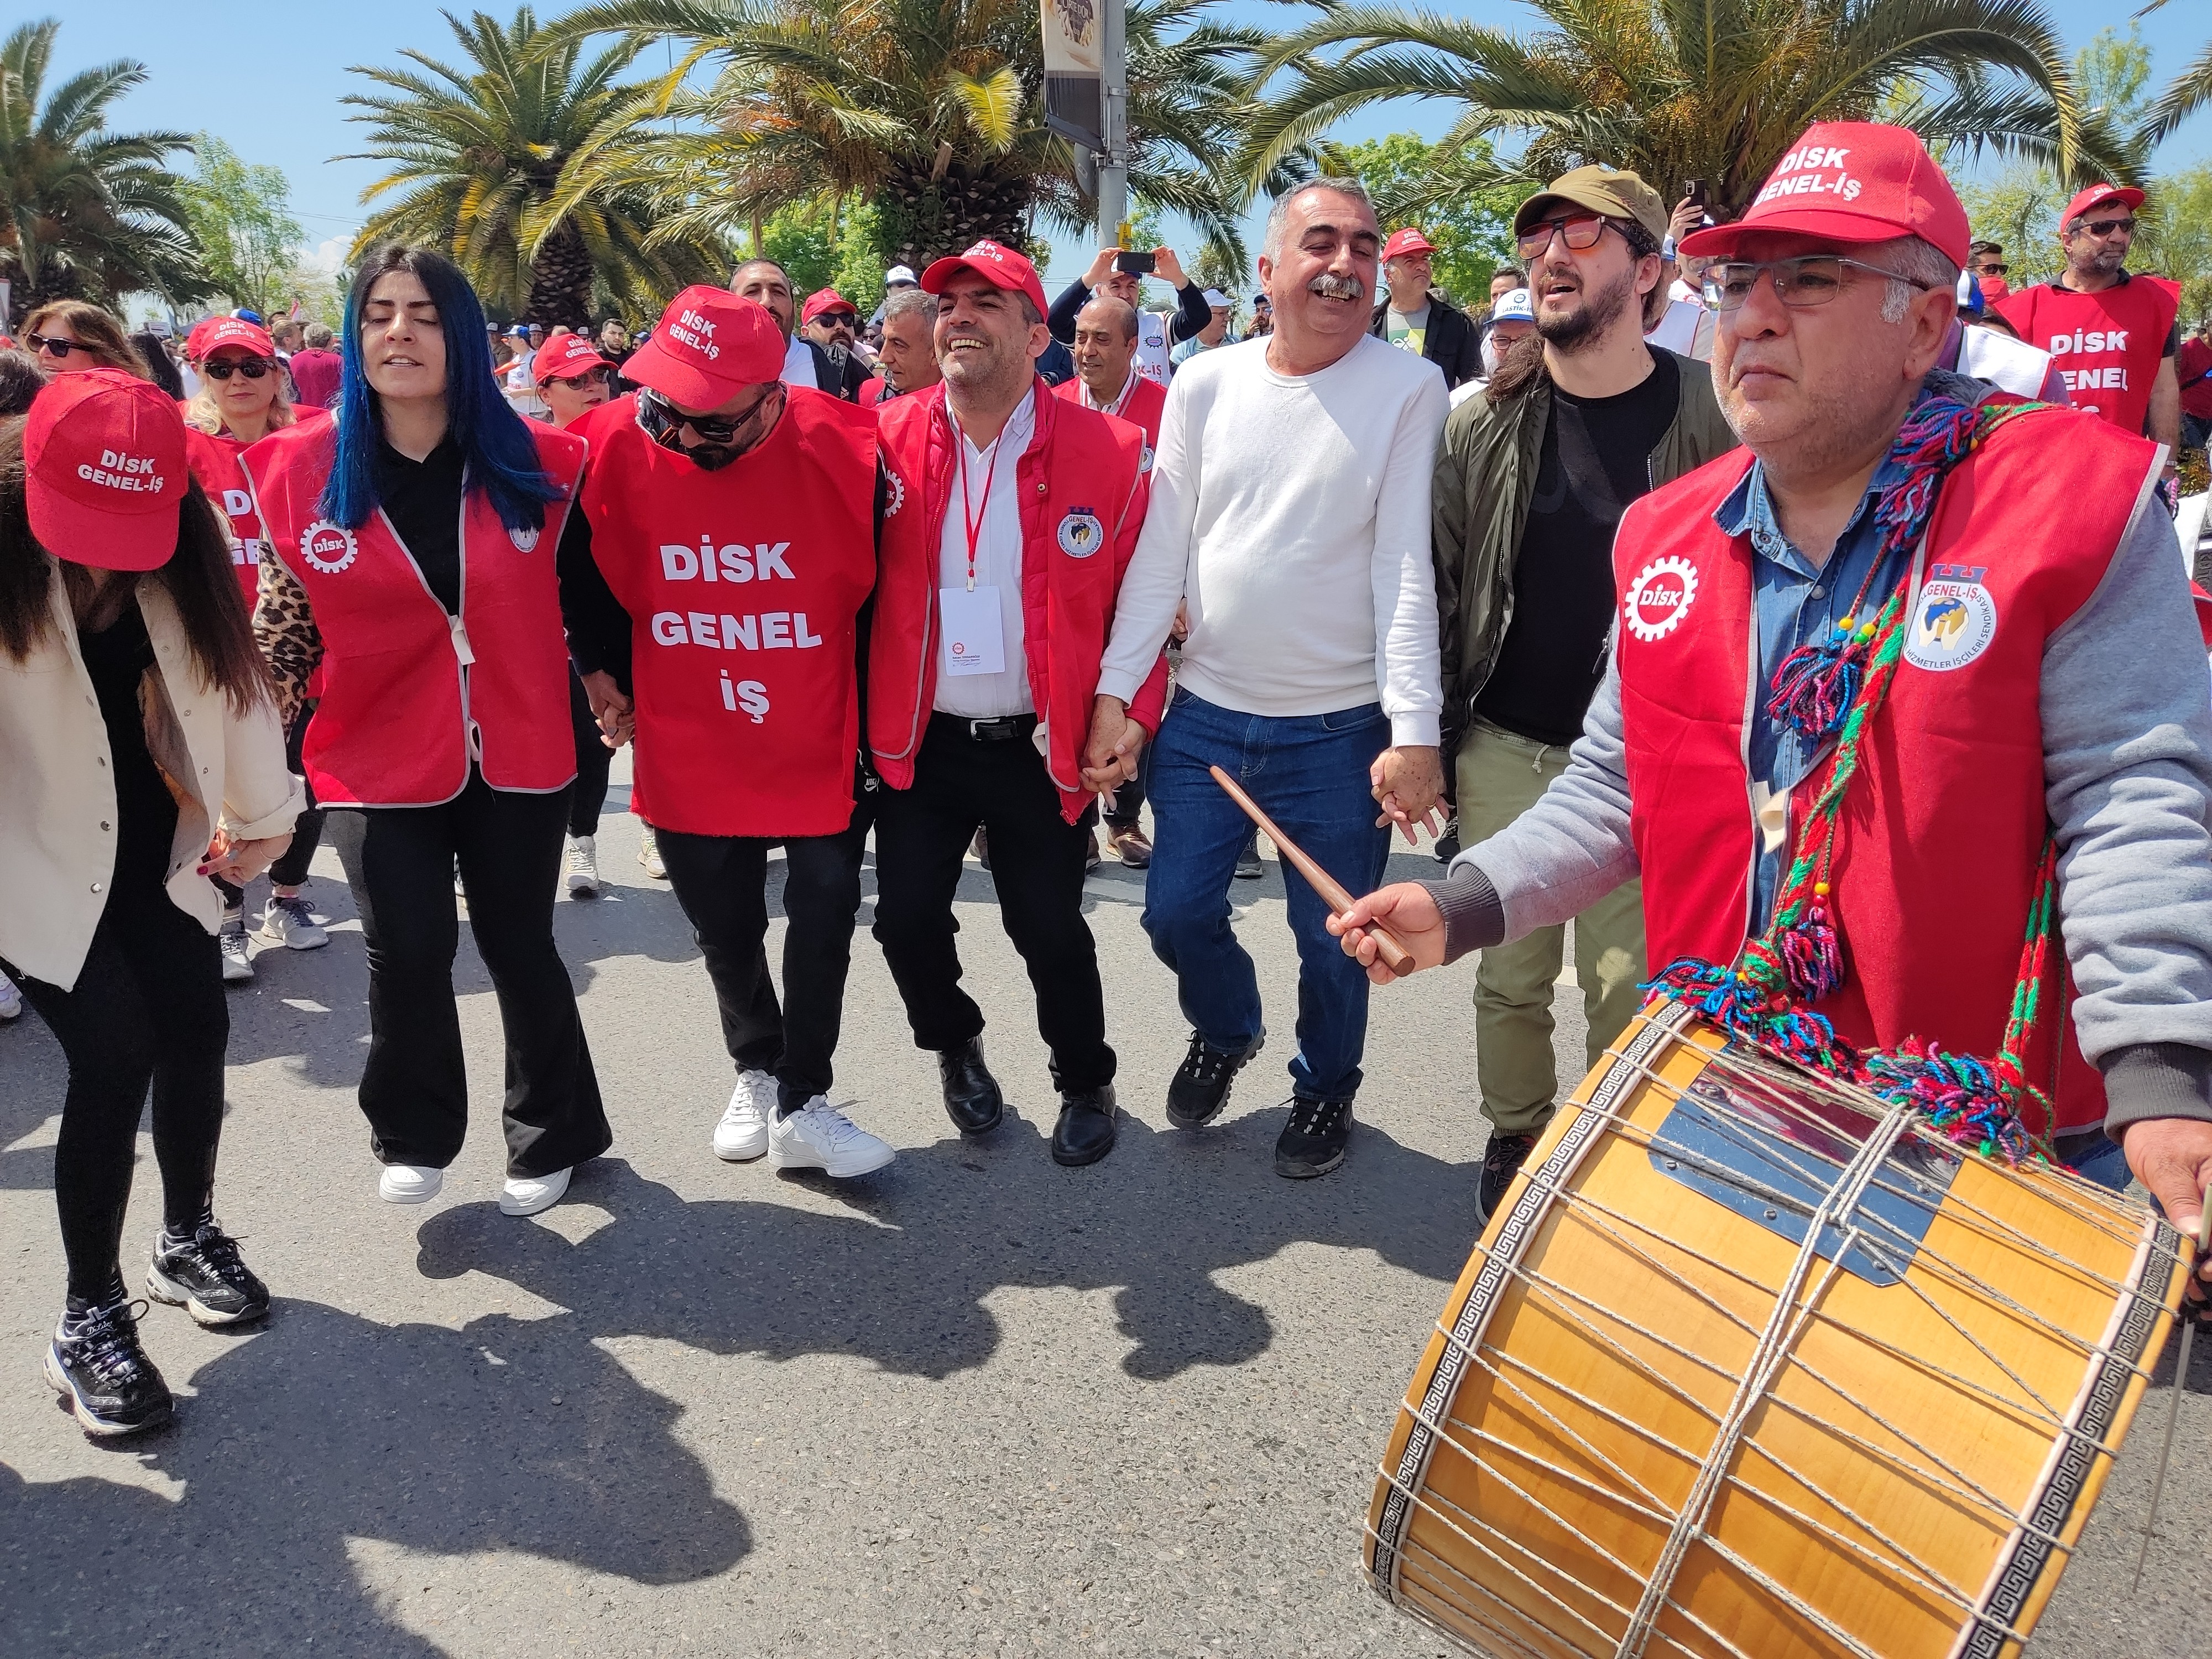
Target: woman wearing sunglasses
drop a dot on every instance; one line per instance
(70, 335)
(410, 557)
(143, 756)
(241, 400)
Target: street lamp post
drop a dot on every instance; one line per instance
(1114, 164)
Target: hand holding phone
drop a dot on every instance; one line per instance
(1135, 264)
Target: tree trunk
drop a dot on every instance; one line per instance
(561, 283)
(924, 219)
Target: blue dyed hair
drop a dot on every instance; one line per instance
(494, 440)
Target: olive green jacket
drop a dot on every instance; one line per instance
(1485, 474)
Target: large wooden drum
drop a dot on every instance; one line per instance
(1745, 1366)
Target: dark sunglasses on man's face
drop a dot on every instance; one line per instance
(1991, 268)
(1579, 231)
(252, 367)
(2101, 228)
(52, 347)
(846, 318)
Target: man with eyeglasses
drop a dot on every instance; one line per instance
(2111, 332)
(1530, 483)
(1913, 669)
(712, 586)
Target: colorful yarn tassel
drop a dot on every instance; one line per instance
(1812, 955)
(1815, 685)
(1972, 1101)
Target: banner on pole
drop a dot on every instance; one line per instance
(1074, 71)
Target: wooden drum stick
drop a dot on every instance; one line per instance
(1391, 954)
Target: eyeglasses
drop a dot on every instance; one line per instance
(220, 368)
(1812, 279)
(52, 347)
(1579, 231)
(2101, 228)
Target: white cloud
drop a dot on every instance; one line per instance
(329, 257)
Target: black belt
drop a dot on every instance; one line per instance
(1003, 729)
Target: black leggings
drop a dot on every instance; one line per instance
(147, 1008)
(593, 758)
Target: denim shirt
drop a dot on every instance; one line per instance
(1796, 602)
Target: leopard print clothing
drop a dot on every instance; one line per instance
(284, 628)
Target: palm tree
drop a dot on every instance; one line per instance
(84, 213)
(1693, 89)
(930, 109)
(2190, 91)
(479, 153)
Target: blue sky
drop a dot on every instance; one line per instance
(289, 114)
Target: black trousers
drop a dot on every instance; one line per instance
(1036, 864)
(1129, 798)
(721, 882)
(147, 1009)
(290, 870)
(399, 861)
(588, 796)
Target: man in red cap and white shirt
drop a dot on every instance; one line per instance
(729, 519)
(1023, 509)
(1983, 588)
(2111, 333)
(1417, 319)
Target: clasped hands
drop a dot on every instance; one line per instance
(615, 712)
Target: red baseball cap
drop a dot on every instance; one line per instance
(105, 469)
(572, 354)
(826, 300)
(211, 336)
(1849, 181)
(2096, 196)
(708, 346)
(1001, 267)
(1406, 241)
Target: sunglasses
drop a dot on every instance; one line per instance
(1991, 268)
(603, 376)
(220, 368)
(850, 318)
(54, 348)
(1579, 231)
(1812, 279)
(2101, 228)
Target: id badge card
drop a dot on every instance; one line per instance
(973, 635)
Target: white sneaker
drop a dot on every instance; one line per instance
(584, 867)
(648, 853)
(528, 1194)
(409, 1183)
(237, 966)
(288, 922)
(820, 1137)
(11, 1000)
(743, 1132)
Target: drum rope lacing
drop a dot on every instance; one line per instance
(1836, 689)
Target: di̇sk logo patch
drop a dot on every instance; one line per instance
(1953, 620)
(1659, 597)
(329, 547)
(898, 497)
(523, 539)
(1080, 533)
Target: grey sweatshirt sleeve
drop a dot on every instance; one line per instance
(2127, 747)
(1557, 858)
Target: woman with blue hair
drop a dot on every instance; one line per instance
(412, 559)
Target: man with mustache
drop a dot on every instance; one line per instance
(805, 362)
(1021, 510)
(1979, 596)
(1533, 479)
(1291, 515)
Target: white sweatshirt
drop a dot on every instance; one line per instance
(1292, 515)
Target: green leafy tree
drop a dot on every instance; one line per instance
(241, 217)
(478, 153)
(828, 244)
(2176, 236)
(84, 212)
(1473, 229)
(1681, 89)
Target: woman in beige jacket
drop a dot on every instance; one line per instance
(141, 754)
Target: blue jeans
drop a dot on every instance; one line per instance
(1309, 774)
(2092, 1155)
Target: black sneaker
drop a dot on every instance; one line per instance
(1249, 867)
(1200, 1084)
(1312, 1143)
(1447, 843)
(206, 1278)
(1501, 1161)
(96, 1364)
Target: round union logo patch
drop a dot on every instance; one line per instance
(1659, 597)
(330, 548)
(1952, 622)
(523, 539)
(1080, 533)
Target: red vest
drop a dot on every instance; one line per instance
(1147, 402)
(1081, 474)
(743, 587)
(410, 694)
(213, 458)
(2108, 345)
(1943, 825)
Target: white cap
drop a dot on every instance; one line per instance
(1513, 305)
(1214, 297)
(900, 274)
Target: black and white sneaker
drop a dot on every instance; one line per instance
(1501, 1161)
(1313, 1141)
(205, 1277)
(1200, 1085)
(96, 1364)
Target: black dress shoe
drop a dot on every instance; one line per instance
(972, 1099)
(1084, 1133)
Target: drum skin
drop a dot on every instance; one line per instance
(1909, 1485)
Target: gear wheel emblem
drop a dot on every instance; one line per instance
(1659, 597)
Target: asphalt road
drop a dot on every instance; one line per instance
(974, 1405)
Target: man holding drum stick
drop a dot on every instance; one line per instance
(1899, 686)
